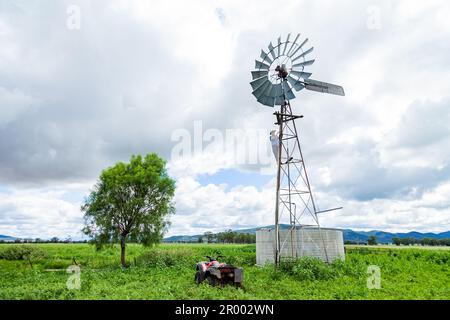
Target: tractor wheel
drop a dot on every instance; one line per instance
(199, 277)
(212, 280)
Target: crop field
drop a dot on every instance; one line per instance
(167, 272)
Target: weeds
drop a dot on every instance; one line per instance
(167, 272)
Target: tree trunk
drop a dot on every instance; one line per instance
(122, 252)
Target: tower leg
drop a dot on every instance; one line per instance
(293, 192)
(277, 205)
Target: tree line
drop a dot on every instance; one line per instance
(422, 242)
(372, 241)
(39, 240)
(228, 236)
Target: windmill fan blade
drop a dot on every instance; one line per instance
(288, 91)
(290, 95)
(279, 100)
(324, 87)
(296, 84)
(279, 96)
(272, 53)
(259, 74)
(265, 57)
(277, 91)
(259, 82)
(285, 87)
(267, 101)
(300, 74)
(279, 46)
(270, 101)
(286, 44)
(269, 92)
(258, 93)
(293, 44)
(303, 64)
(301, 46)
(261, 65)
(303, 54)
(266, 97)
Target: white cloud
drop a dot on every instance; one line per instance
(13, 103)
(421, 138)
(39, 214)
(427, 213)
(218, 207)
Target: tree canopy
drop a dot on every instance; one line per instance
(372, 241)
(130, 202)
(228, 236)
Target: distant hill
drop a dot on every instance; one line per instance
(6, 238)
(386, 237)
(196, 237)
(349, 235)
(182, 238)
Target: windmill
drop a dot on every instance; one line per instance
(280, 72)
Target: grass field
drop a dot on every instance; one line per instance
(167, 272)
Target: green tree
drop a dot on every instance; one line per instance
(397, 241)
(372, 241)
(54, 240)
(209, 236)
(229, 236)
(130, 202)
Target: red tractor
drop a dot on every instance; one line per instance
(217, 273)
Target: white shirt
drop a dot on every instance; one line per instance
(275, 141)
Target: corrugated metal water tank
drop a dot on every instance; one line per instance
(300, 242)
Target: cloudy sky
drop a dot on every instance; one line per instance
(84, 84)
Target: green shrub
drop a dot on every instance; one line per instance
(287, 265)
(27, 253)
(22, 253)
(56, 263)
(241, 259)
(441, 258)
(165, 258)
(313, 269)
(348, 268)
(308, 269)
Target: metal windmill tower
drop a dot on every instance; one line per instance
(279, 72)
